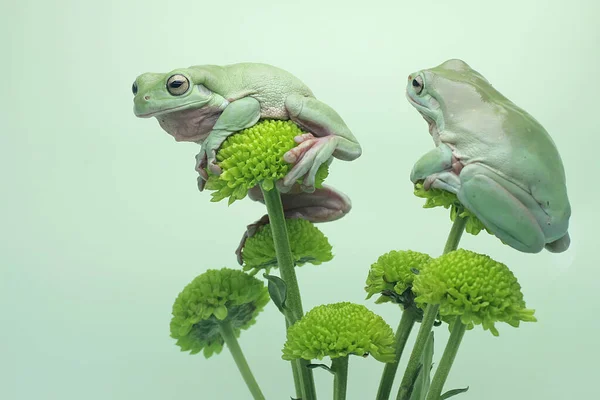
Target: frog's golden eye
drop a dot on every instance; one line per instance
(418, 84)
(134, 88)
(178, 84)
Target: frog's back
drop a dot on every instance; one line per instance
(537, 161)
(266, 83)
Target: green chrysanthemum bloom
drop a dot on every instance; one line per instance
(255, 156)
(307, 242)
(474, 287)
(216, 296)
(337, 330)
(393, 274)
(441, 198)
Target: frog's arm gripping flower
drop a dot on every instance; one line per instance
(252, 160)
(211, 298)
(338, 330)
(254, 156)
(478, 289)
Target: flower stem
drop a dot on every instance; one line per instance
(389, 371)
(295, 370)
(286, 268)
(339, 366)
(431, 311)
(458, 227)
(236, 351)
(437, 384)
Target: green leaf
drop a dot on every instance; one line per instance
(423, 380)
(325, 367)
(277, 291)
(414, 391)
(453, 392)
(220, 312)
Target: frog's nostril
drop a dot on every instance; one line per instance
(146, 97)
(410, 77)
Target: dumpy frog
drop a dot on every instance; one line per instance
(499, 161)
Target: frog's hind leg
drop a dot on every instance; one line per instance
(323, 205)
(503, 207)
(329, 136)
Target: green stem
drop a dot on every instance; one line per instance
(458, 227)
(339, 366)
(437, 384)
(288, 274)
(431, 311)
(295, 371)
(389, 371)
(236, 351)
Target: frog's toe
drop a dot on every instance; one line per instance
(214, 168)
(559, 245)
(312, 153)
(502, 213)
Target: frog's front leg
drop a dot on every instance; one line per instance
(323, 205)
(506, 209)
(330, 136)
(435, 161)
(238, 115)
(438, 169)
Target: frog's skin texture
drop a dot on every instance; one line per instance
(206, 104)
(499, 161)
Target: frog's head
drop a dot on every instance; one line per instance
(441, 94)
(185, 110)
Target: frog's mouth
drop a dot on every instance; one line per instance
(433, 130)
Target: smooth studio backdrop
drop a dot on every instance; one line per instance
(102, 224)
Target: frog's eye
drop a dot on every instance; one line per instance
(134, 88)
(178, 85)
(418, 84)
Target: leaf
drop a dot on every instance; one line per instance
(277, 291)
(423, 380)
(413, 390)
(453, 392)
(325, 367)
(220, 312)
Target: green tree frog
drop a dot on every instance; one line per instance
(207, 103)
(499, 161)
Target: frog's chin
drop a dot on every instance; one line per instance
(191, 125)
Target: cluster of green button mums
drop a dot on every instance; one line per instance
(464, 284)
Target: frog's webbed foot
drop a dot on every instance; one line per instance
(310, 153)
(323, 205)
(504, 208)
(238, 115)
(329, 136)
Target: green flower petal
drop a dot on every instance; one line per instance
(255, 156)
(473, 286)
(338, 330)
(442, 198)
(215, 296)
(393, 274)
(307, 242)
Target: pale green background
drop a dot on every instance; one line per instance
(102, 224)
